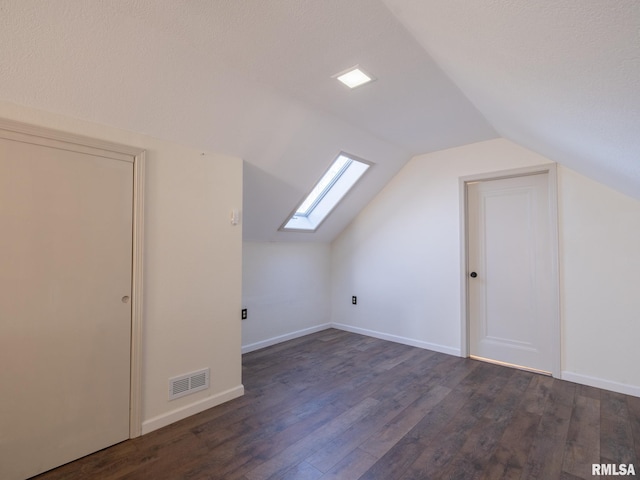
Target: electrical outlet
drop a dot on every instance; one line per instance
(244, 314)
(354, 300)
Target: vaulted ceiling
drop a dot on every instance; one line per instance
(253, 78)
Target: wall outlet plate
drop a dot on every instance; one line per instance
(354, 300)
(244, 314)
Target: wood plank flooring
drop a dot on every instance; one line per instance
(335, 405)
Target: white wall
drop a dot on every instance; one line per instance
(401, 256)
(600, 266)
(192, 271)
(285, 290)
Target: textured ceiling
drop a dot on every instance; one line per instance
(559, 77)
(252, 78)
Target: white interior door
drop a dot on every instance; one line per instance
(510, 272)
(65, 315)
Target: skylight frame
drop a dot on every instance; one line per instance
(329, 197)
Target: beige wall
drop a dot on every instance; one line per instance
(402, 256)
(192, 270)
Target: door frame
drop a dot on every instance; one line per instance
(14, 130)
(552, 182)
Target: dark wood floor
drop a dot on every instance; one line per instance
(336, 405)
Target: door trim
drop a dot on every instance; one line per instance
(551, 170)
(10, 129)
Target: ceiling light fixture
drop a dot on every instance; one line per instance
(354, 77)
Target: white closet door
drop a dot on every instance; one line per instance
(65, 314)
(511, 287)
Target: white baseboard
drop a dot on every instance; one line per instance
(191, 409)
(283, 338)
(601, 383)
(395, 338)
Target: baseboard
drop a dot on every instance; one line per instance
(601, 383)
(191, 409)
(283, 338)
(395, 338)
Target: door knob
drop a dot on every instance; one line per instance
(473, 274)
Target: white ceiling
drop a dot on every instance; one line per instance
(559, 77)
(252, 78)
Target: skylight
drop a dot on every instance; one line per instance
(343, 173)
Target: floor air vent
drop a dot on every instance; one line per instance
(189, 383)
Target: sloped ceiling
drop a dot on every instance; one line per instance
(559, 77)
(252, 78)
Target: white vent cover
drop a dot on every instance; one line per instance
(189, 383)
